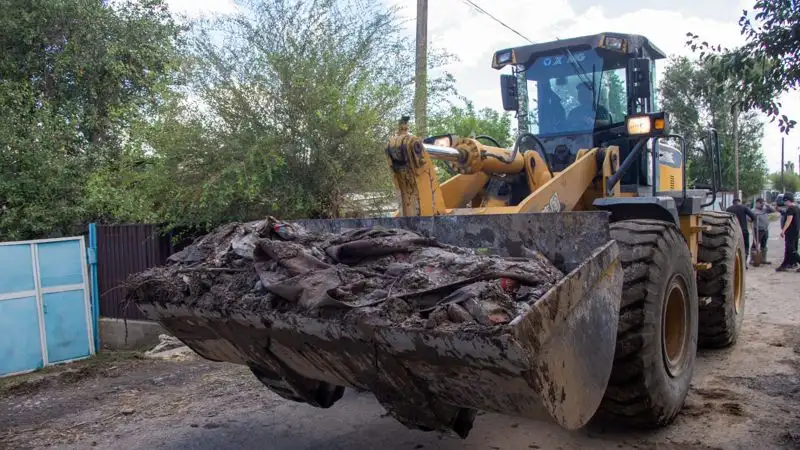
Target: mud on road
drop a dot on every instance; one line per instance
(745, 397)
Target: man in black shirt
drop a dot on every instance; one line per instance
(790, 233)
(742, 213)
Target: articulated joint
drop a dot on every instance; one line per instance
(471, 158)
(405, 151)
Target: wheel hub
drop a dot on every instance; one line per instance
(738, 284)
(675, 326)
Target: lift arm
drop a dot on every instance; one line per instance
(421, 194)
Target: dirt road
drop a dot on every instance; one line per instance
(747, 397)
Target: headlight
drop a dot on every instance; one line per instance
(614, 43)
(652, 124)
(638, 125)
(504, 58)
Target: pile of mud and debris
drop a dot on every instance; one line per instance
(394, 274)
(169, 347)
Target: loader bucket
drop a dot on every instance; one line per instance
(553, 361)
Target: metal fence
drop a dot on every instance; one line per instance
(122, 250)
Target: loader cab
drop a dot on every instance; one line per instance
(576, 93)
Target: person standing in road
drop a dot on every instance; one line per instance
(790, 233)
(781, 206)
(742, 213)
(762, 212)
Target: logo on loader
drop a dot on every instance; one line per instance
(554, 205)
(559, 60)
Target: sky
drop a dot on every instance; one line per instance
(457, 27)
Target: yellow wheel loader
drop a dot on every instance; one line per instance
(592, 184)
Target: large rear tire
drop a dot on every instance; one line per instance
(657, 335)
(722, 287)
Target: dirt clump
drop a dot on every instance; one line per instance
(394, 275)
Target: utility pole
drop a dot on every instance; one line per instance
(421, 73)
(783, 185)
(523, 117)
(736, 145)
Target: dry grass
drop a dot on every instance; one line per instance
(99, 364)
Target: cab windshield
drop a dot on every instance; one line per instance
(576, 93)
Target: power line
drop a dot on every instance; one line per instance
(581, 72)
(483, 11)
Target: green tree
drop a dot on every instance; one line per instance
(99, 66)
(790, 182)
(767, 65)
(41, 169)
(73, 76)
(291, 104)
(616, 97)
(693, 107)
(466, 121)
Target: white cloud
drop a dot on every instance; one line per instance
(473, 37)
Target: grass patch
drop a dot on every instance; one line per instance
(68, 373)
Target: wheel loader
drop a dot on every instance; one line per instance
(592, 183)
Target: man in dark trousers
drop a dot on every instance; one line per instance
(762, 211)
(742, 213)
(790, 232)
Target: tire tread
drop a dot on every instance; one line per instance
(645, 246)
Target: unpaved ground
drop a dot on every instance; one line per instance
(747, 397)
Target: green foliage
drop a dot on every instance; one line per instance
(291, 104)
(73, 76)
(40, 167)
(465, 121)
(617, 100)
(767, 65)
(694, 105)
(789, 183)
(97, 65)
(113, 113)
(298, 90)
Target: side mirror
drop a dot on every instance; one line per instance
(508, 89)
(639, 77)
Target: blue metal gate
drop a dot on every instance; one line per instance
(45, 312)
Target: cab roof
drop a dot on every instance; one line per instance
(632, 45)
